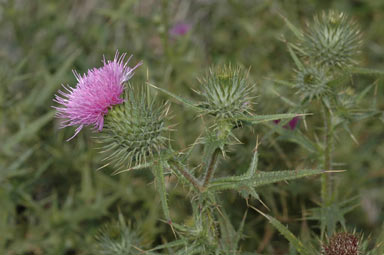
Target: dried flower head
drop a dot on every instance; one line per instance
(332, 40)
(227, 92)
(134, 131)
(95, 93)
(342, 244)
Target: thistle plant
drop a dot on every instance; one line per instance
(325, 55)
(134, 135)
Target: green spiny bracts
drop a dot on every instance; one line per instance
(312, 82)
(227, 93)
(134, 131)
(332, 40)
(116, 238)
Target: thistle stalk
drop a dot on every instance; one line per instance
(210, 170)
(326, 185)
(186, 173)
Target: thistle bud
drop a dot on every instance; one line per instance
(342, 244)
(134, 131)
(332, 40)
(227, 92)
(312, 82)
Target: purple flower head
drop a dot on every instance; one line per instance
(292, 124)
(179, 29)
(95, 93)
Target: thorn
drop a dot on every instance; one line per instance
(103, 166)
(257, 144)
(334, 171)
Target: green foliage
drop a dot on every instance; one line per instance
(53, 201)
(117, 238)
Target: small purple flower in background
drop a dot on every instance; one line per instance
(95, 93)
(179, 29)
(292, 124)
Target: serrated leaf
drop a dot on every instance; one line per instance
(158, 172)
(264, 118)
(260, 179)
(296, 243)
(366, 71)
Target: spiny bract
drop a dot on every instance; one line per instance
(312, 82)
(332, 40)
(133, 132)
(227, 92)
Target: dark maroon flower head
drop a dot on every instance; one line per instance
(292, 124)
(342, 244)
(180, 29)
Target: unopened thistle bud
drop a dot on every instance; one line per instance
(133, 132)
(227, 92)
(332, 40)
(312, 82)
(342, 244)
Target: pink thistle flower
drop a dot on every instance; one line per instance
(95, 93)
(179, 29)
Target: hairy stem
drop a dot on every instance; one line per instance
(186, 173)
(211, 168)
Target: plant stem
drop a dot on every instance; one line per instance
(185, 172)
(211, 168)
(326, 185)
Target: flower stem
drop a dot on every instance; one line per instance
(211, 168)
(326, 185)
(185, 172)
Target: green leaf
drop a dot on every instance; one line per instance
(366, 71)
(28, 131)
(293, 28)
(294, 57)
(296, 243)
(158, 172)
(170, 245)
(284, 83)
(182, 100)
(295, 137)
(261, 179)
(264, 118)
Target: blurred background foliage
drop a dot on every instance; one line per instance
(52, 199)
